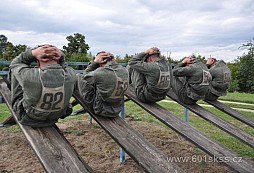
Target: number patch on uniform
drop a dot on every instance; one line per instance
(164, 80)
(122, 85)
(227, 77)
(52, 101)
(207, 78)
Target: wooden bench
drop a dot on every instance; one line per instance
(135, 145)
(215, 149)
(216, 120)
(53, 150)
(228, 110)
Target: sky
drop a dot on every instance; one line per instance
(178, 28)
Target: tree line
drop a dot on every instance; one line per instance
(77, 50)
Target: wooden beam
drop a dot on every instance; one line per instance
(215, 149)
(228, 110)
(137, 147)
(216, 120)
(53, 150)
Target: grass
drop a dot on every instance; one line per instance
(4, 112)
(204, 126)
(233, 105)
(239, 97)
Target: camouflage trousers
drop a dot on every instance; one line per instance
(179, 88)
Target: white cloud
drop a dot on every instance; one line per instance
(182, 27)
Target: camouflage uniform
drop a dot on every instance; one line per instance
(221, 77)
(103, 88)
(40, 96)
(151, 80)
(191, 83)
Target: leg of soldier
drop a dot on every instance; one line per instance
(210, 96)
(177, 84)
(139, 83)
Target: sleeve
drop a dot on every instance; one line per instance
(137, 63)
(85, 86)
(21, 65)
(91, 67)
(85, 82)
(182, 71)
(23, 60)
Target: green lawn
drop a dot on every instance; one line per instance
(201, 124)
(212, 131)
(4, 112)
(239, 97)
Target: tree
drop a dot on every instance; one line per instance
(125, 59)
(199, 57)
(3, 44)
(76, 46)
(234, 68)
(12, 51)
(246, 72)
(8, 51)
(18, 49)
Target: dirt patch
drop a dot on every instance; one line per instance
(101, 153)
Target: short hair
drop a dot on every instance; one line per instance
(100, 52)
(108, 58)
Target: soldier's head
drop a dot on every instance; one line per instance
(48, 54)
(153, 57)
(102, 58)
(210, 61)
(188, 60)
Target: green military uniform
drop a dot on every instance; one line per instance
(221, 77)
(151, 80)
(40, 96)
(103, 88)
(191, 83)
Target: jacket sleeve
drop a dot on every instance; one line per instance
(86, 87)
(181, 71)
(137, 63)
(24, 60)
(21, 65)
(91, 67)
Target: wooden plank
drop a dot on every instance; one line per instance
(193, 135)
(53, 150)
(228, 110)
(137, 147)
(216, 120)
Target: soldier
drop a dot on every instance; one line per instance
(40, 95)
(150, 75)
(103, 85)
(191, 80)
(221, 77)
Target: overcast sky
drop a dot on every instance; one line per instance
(182, 27)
